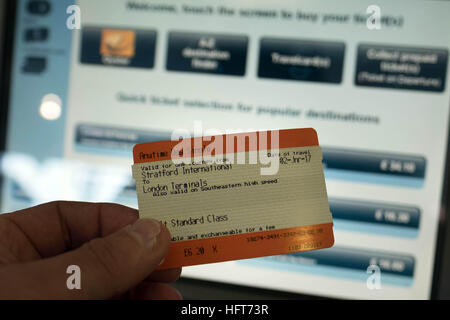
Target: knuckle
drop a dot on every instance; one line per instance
(108, 258)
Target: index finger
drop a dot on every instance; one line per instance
(56, 227)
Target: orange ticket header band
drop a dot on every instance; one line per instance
(240, 142)
(249, 245)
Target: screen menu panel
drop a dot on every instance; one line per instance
(373, 86)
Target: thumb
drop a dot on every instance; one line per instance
(108, 266)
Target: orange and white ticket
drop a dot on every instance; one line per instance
(235, 196)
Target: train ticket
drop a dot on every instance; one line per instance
(235, 196)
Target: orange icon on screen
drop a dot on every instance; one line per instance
(118, 43)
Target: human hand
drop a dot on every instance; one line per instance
(115, 251)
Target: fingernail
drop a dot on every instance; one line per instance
(147, 230)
